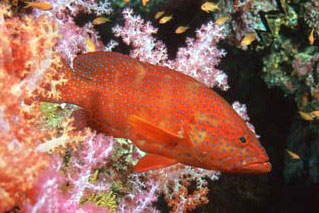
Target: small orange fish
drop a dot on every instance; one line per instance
(90, 46)
(144, 2)
(248, 39)
(222, 20)
(311, 37)
(165, 19)
(126, 1)
(158, 15)
(169, 115)
(181, 29)
(100, 20)
(306, 116)
(293, 155)
(39, 5)
(209, 7)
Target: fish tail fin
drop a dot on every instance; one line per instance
(28, 4)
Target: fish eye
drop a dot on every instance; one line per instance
(242, 139)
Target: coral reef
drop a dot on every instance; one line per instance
(311, 14)
(292, 65)
(71, 168)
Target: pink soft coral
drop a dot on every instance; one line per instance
(48, 195)
(198, 59)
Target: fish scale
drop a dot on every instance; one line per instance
(169, 115)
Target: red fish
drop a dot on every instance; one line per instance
(169, 115)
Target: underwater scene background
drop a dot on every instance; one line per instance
(261, 56)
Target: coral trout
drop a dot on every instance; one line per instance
(169, 115)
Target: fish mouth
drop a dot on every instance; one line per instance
(255, 167)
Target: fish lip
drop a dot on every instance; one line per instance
(255, 167)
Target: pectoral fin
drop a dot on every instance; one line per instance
(151, 161)
(152, 133)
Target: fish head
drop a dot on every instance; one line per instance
(225, 143)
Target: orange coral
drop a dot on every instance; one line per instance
(26, 57)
